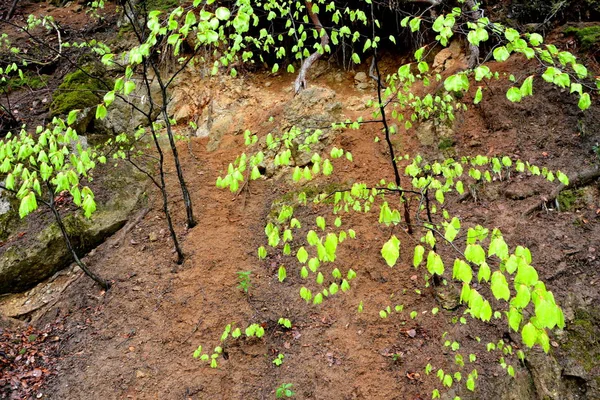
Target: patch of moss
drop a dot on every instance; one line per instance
(582, 343)
(77, 91)
(588, 37)
(446, 143)
(570, 199)
(31, 81)
(161, 5)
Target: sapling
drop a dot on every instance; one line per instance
(40, 166)
(244, 280)
(285, 390)
(278, 360)
(286, 323)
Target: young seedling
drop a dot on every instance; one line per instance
(279, 360)
(286, 323)
(285, 390)
(244, 279)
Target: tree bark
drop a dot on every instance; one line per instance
(300, 83)
(474, 8)
(12, 9)
(103, 283)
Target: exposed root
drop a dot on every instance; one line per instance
(300, 83)
(575, 181)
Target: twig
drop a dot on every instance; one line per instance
(577, 180)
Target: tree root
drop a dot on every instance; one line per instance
(300, 83)
(575, 181)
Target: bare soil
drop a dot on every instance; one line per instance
(136, 341)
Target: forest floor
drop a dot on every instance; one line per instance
(136, 341)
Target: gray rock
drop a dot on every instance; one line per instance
(361, 77)
(41, 252)
(314, 108)
(122, 117)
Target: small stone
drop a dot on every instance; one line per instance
(140, 374)
(153, 237)
(268, 84)
(360, 77)
(412, 333)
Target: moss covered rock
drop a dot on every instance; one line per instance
(78, 90)
(588, 36)
(29, 259)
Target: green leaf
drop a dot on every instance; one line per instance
(536, 39)
(456, 83)
(72, 117)
(302, 255)
(529, 334)
(527, 87)
(462, 271)
(281, 274)
(475, 254)
(499, 286)
(522, 298)
(562, 178)
(435, 265)
(262, 252)
(501, 54)
(129, 87)
(345, 286)
(514, 318)
(100, 111)
(470, 383)
(514, 95)
(222, 13)
(511, 34)
(415, 24)
(321, 222)
(28, 205)
(584, 101)
(418, 255)
(391, 251)
(484, 272)
(478, 96)
(109, 97)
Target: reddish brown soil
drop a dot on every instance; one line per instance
(137, 340)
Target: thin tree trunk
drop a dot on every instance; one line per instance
(300, 83)
(391, 147)
(187, 201)
(11, 12)
(163, 189)
(476, 13)
(103, 283)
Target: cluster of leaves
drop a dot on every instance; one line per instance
(50, 159)
(253, 330)
(528, 306)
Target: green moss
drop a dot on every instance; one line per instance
(161, 5)
(446, 143)
(77, 91)
(34, 82)
(570, 199)
(582, 334)
(588, 37)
